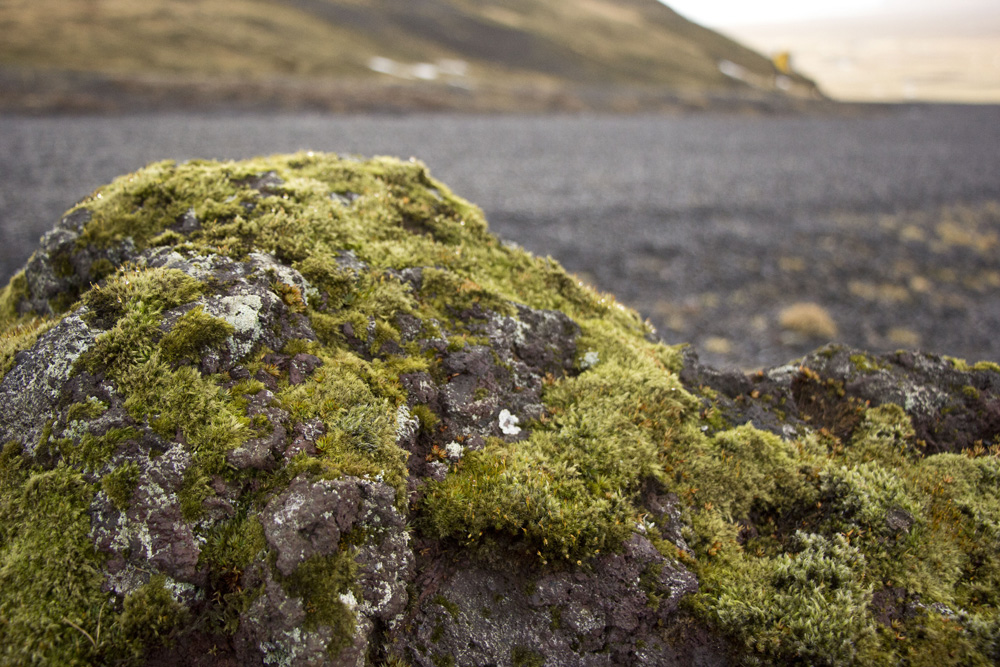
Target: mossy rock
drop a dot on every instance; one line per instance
(307, 410)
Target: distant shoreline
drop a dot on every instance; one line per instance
(36, 92)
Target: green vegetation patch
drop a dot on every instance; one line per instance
(149, 616)
(569, 490)
(326, 586)
(141, 359)
(230, 548)
(120, 484)
(793, 543)
(192, 333)
(47, 602)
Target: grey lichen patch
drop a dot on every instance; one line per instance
(31, 387)
(285, 425)
(21, 334)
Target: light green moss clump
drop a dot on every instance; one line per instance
(830, 530)
(192, 333)
(568, 492)
(50, 584)
(120, 484)
(149, 616)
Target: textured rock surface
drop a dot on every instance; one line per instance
(306, 410)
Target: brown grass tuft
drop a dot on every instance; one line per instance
(808, 319)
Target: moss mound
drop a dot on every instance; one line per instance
(307, 410)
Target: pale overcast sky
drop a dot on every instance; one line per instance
(724, 13)
(720, 13)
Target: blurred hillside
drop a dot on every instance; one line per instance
(95, 55)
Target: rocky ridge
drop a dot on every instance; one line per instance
(307, 410)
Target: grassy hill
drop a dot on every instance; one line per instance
(306, 47)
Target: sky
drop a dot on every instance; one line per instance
(871, 50)
(725, 13)
(722, 13)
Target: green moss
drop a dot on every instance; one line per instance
(935, 640)
(183, 401)
(874, 513)
(449, 606)
(555, 618)
(714, 420)
(93, 452)
(64, 301)
(336, 284)
(230, 547)
(791, 535)
(970, 392)
(962, 516)
(134, 354)
(441, 660)
(10, 298)
(867, 363)
(192, 333)
(649, 582)
(427, 418)
(568, 490)
(885, 434)
(742, 468)
(291, 295)
(44, 601)
(521, 656)
(986, 366)
(131, 341)
(863, 496)
(17, 332)
(348, 395)
(13, 467)
(234, 543)
(148, 291)
(92, 408)
(194, 491)
(324, 583)
(452, 293)
(815, 608)
(150, 616)
(964, 366)
(120, 484)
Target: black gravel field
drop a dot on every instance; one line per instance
(711, 225)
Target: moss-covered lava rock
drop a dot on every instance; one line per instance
(306, 410)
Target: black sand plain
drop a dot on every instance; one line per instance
(712, 225)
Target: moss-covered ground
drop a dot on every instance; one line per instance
(822, 547)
